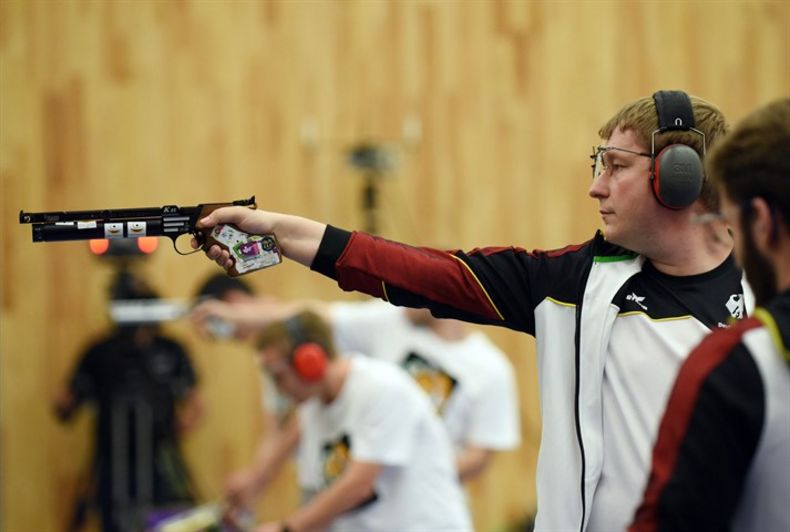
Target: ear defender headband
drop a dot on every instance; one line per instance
(676, 171)
(308, 359)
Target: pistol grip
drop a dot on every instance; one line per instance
(248, 252)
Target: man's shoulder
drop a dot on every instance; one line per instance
(718, 345)
(726, 338)
(718, 365)
(378, 378)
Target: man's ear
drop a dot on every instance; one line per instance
(763, 225)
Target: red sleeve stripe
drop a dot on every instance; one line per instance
(552, 253)
(702, 361)
(369, 263)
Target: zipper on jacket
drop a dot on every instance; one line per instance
(577, 414)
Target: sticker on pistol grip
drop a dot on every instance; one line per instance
(251, 252)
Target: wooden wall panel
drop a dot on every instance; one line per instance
(489, 106)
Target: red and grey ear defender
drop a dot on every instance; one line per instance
(676, 172)
(308, 359)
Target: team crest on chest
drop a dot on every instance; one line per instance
(735, 306)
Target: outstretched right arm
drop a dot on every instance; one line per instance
(498, 286)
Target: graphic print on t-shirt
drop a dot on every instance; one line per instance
(436, 382)
(335, 456)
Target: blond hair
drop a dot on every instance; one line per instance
(307, 325)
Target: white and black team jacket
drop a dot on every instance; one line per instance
(570, 300)
(722, 458)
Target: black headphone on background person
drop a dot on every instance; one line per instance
(676, 171)
(309, 359)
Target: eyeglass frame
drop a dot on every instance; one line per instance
(598, 152)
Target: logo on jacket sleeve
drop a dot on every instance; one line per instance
(636, 299)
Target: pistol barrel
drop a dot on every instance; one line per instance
(169, 220)
(66, 231)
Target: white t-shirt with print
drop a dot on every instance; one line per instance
(470, 381)
(380, 416)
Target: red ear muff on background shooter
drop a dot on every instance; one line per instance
(676, 173)
(308, 359)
